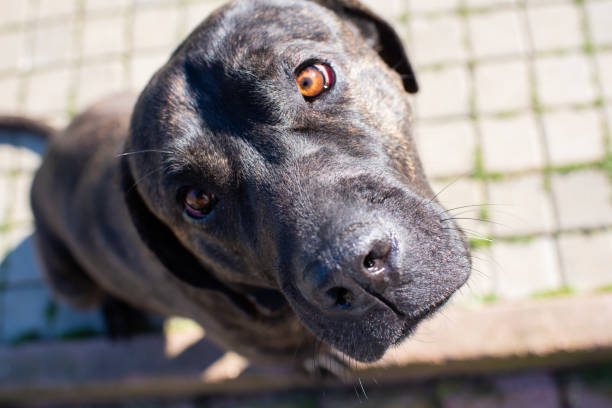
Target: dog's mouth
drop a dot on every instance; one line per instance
(413, 320)
(382, 299)
(265, 301)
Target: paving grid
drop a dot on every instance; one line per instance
(515, 111)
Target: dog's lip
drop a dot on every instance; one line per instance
(387, 303)
(414, 318)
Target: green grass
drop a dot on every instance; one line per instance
(79, 333)
(546, 181)
(489, 298)
(484, 214)
(517, 239)
(604, 289)
(50, 312)
(478, 243)
(598, 102)
(479, 387)
(435, 67)
(507, 114)
(606, 164)
(13, 174)
(588, 47)
(404, 18)
(598, 377)
(563, 291)
(463, 11)
(536, 106)
(557, 52)
(26, 337)
(605, 131)
(569, 168)
(479, 173)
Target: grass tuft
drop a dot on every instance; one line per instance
(26, 337)
(489, 298)
(604, 289)
(598, 378)
(479, 171)
(606, 164)
(79, 333)
(478, 243)
(463, 11)
(50, 312)
(563, 291)
(517, 239)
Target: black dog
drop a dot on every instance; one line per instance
(265, 183)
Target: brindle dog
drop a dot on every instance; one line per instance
(265, 183)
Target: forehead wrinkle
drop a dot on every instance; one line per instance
(199, 155)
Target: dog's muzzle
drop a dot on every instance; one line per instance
(353, 270)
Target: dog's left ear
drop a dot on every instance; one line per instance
(377, 33)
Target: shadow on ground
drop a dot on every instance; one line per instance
(28, 310)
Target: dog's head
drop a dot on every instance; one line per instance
(281, 162)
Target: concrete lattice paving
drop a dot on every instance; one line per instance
(513, 118)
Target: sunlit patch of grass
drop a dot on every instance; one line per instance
(559, 292)
(604, 289)
(517, 239)
(478, 243)
(489, 298)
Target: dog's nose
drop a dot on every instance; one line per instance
(352, 273)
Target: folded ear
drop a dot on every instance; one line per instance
(377, 33)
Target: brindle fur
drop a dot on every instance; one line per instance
(224, 114)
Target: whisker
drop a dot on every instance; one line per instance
(473, 219)
(470, 211)
(363, 388)
(474, 205)
(144, 177)
(143, 151)
(297, 348)
(357, 393)
(470, 233)
(423, 203)
(444, 188)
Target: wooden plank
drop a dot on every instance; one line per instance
(499, 337)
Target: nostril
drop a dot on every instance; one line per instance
(341, 296)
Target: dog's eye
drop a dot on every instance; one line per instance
(198, 203)
(315, 79)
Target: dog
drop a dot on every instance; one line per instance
(265, 183)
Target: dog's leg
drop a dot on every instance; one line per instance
(73, 285)
(63, 273)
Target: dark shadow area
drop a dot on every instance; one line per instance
(21, 150)
(29, 311)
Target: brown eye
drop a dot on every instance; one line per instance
(198, 203)
(315, 79)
